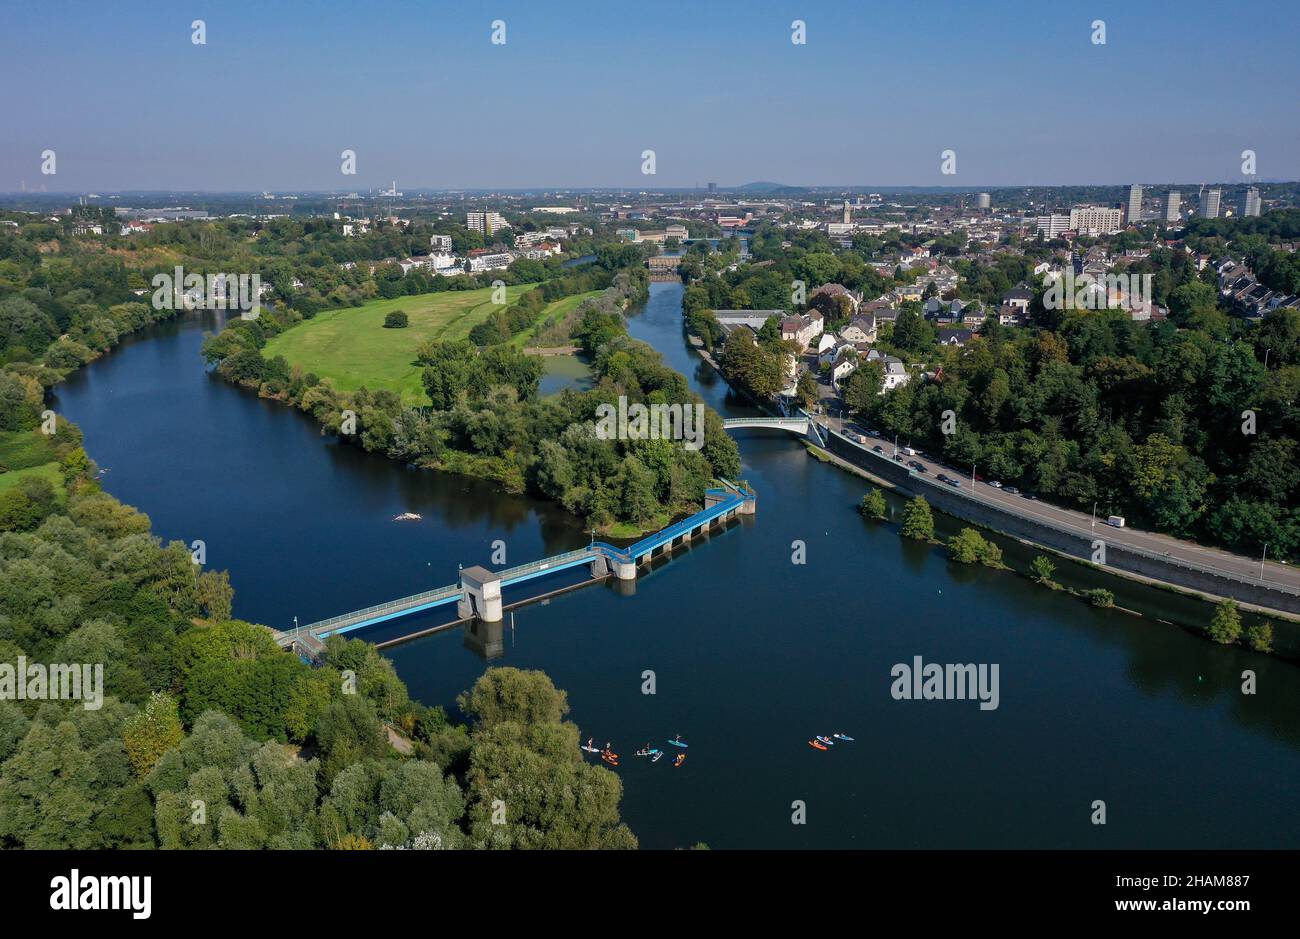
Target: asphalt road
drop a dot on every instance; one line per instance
(1083, 524)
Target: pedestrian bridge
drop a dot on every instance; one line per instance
(798, 425)
(478, 592)
(803, 425)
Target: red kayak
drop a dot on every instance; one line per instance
(817, 744)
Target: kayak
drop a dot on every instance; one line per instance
(591, 749)
(610, 758)
(651, 752)
(679, 742)
(679, 759)
(843, 737)
(826, 740)
(655, 758)
(814, 743)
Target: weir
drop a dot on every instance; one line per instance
(477, 594)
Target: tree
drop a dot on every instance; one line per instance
(1225, 625)
(918, 522)
(151, 732)
(1042, 569)
(968, 547)
(1260, 637)
(396, 319)
(806, 390)
(862, 387)
(873, 504)
(512, 694)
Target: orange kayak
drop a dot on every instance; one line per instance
(817, 744)
(679, 759)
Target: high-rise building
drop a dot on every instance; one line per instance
(1210, 203)
(1173, 206)
(1050, 226)
(713, 187)
(485, 222)
(848, 213)
(1096, 219)
(983, 201)
(1250, 201)
(1135, 203)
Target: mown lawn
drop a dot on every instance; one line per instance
(48, 471)
(352, 348)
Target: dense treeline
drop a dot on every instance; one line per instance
(485, 418)
(524, 313)
(1145, 420)
(208, 735)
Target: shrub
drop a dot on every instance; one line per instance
(1225, 626)
(873, 504)
(1100, 596)
(1260, 637)
(917, 520)
(397, 319)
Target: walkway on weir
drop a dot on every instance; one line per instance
(478, 593)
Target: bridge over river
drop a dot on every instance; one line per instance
(800, 424)
(478, 592)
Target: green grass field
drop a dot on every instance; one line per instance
(352, 348)
(48, 471)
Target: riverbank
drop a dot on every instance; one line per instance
(304, 525)
(1283, 608)
(486, 419)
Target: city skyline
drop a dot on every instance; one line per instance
(565, 103)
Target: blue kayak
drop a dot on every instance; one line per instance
(678, 743)
(843, 737)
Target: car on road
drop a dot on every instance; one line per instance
(995, 484)
(943, 477)
(1031, 497)
(920, 468)
(955, 482)
(878, 448)
(1011, 490)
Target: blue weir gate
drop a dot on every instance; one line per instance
(478, 593)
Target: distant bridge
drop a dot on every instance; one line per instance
(803, 425)
(478, 593)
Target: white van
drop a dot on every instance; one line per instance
(1116, 521)
(908, 451)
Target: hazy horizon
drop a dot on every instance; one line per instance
(579, 90)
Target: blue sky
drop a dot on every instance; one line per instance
(580, 89)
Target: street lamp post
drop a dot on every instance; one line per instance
(1261, 562)
(895, 444)
(1094, 516)
(972, 479)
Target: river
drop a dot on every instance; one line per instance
(752, 654)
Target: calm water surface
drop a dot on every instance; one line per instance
(752, 654)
